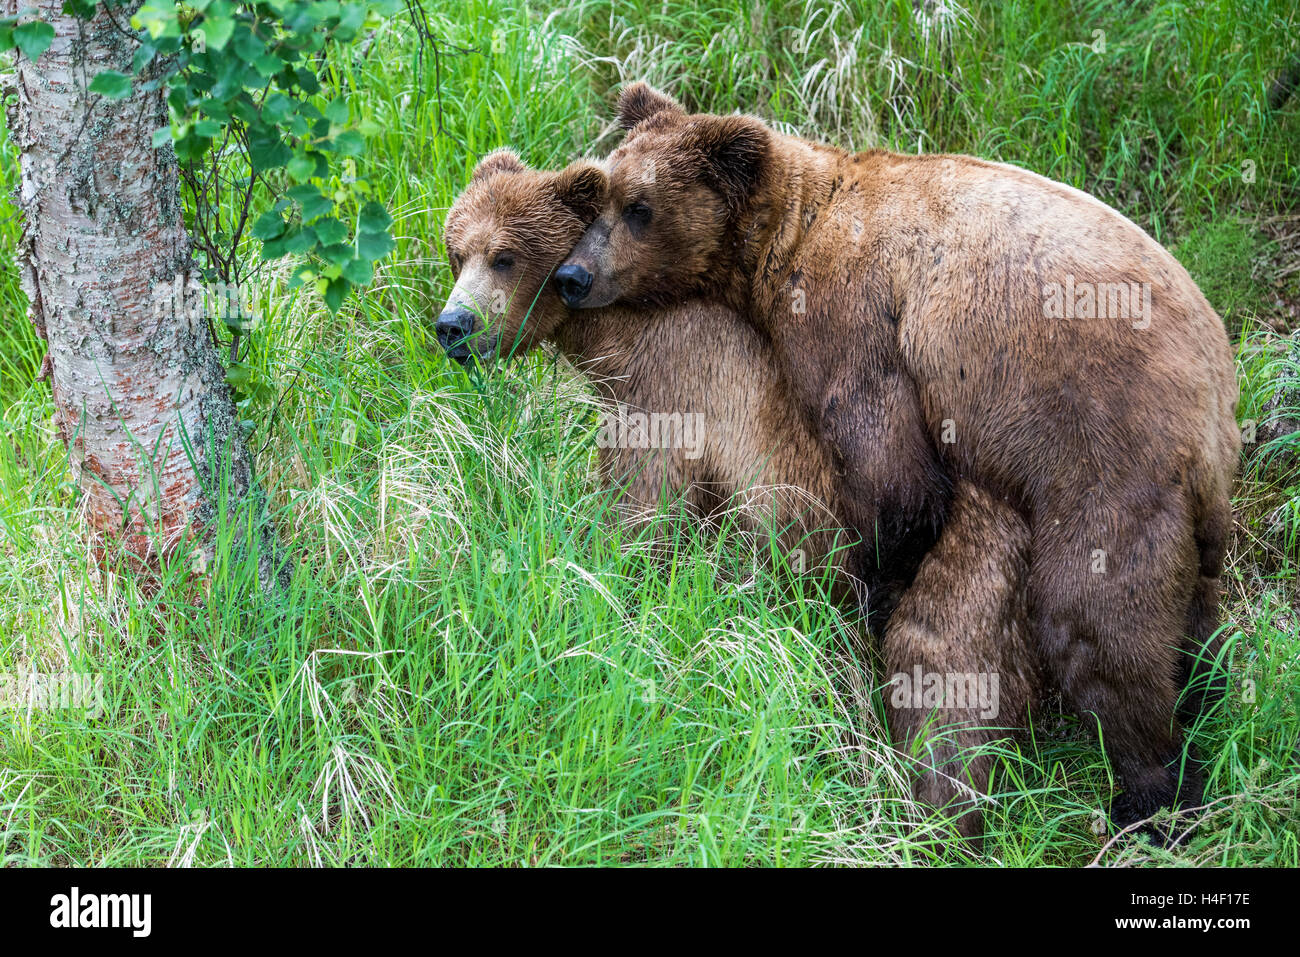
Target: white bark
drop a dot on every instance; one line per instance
(103, 245)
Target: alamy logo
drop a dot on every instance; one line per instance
(48, 691)
(930, 689)
(134, 911)
(1098, 300)
(622, 429)
(232, 304)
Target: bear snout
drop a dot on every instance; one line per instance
(574, 283)
(454, 327)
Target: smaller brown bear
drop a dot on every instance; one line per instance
(735, 433)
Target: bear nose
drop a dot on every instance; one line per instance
(574, 283)
(454, 326)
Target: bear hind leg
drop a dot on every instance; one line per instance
(1110, 597)
(1203, 677)
(959, 655)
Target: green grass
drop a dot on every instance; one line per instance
(471, 664)
(1224, 257)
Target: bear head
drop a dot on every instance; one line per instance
(505, 234)
(680, 186)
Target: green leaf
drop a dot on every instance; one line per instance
(215, 109)
(162, 136)
(335, 294)
(307, 81)
(159, 18)
(215, 31)
(266, 149)
(349, 143)
(112, 84)
(351, 17)
(242, 108)
(374, 246)
(144, 55)
(268, 226)
(300, 242)
(373, 219)
(337, 111)
(238, 374)
(310, 199)
(276, 107)
(330, 231)
(267, 65)
(33, 38)
(306, 17)
(248, 46)
(322, 164)
(340, 255)
(359, 272)
(231, 75)
(302, 168)
(274, 249)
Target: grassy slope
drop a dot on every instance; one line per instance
(467, 669)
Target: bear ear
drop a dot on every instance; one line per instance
(734, 149)
(498, 161)
(640, 101)
(581, 186)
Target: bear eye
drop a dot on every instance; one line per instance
(637, 214)
(503, 261)
(454, 262)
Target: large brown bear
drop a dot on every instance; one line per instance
(965, 616)
(941, 316)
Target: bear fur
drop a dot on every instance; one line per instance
(942, 319)
(966, 610)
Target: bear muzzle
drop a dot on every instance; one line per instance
(574, 284)
(454, 327)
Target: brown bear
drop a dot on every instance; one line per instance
(965, 614)
(945, 319)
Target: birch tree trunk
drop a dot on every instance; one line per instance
(139, 393)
